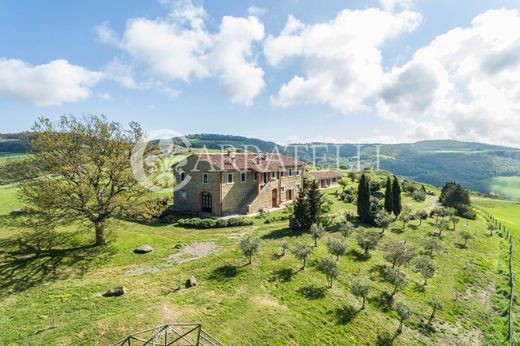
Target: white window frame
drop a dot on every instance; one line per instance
(254, 176)
(227, 179)
(183, 176)
(273, 175)
(282, 174)
(244, 175)
(205, 178)
(290, 172)
(282, 188)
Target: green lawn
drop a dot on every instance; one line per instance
(505, 186)
(55, 296)
(508, 213)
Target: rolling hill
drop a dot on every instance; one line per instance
(481, 167)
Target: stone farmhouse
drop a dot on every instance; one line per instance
(326, 178)
(221, 184)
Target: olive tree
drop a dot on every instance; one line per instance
(432, 246)
(425, 266)
(491, 227)
(249, 246)
(406, 216)
(329, 267)
(436, 304)
(302, 252)
(346, 228)
(442, 225)
(396, 278)
(421, 215)
(368, 240)
(383, 220)
(360, 288)
(404, 314)
(337, 247)
(466, 236)
(398, 253)
(284, 246)
(316, 232)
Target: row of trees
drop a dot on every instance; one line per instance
(369, 208)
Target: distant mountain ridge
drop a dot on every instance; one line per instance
(477, 166)
(431, 161)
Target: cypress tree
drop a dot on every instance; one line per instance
(315, 201)
(363, 203)
(300, 219)
(396, 193)
(389, 198)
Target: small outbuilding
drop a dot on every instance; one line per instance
(326, 178)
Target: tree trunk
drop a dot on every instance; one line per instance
(100, 234)
(393, 293)
(337, 258)
(431, 317)
(363, 305)
(315, 242)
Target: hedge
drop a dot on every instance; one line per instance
(215, 223)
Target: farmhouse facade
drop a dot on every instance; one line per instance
(235, 183)
(326, 178)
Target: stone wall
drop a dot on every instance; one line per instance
(189, 198)
(234, 194)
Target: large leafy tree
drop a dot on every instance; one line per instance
(396, 200)
(85, 174)
(363, 203)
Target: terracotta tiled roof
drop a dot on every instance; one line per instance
(260, 162)
(318, 175)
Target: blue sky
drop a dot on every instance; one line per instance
(295, 70)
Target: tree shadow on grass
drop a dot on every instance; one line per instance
(345, 314)
(380, 269)
(224, 272)
(397, 230)
(312, 292)
(383, 301)
(359, 255)
(36, 259)
(281, 233)
(283, 275)
(385, 339)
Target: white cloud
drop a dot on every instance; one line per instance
(105, 96)
(342, 57)
(179, 47)
(256, 11)
(49, 84)
(241, 79)
(390, 5)
(465, 84)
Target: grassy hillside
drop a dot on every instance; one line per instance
(505, 186)
(54, 296)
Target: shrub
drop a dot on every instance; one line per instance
(419, 195)
(215, 223)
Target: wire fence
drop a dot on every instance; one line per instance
(504, 232)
